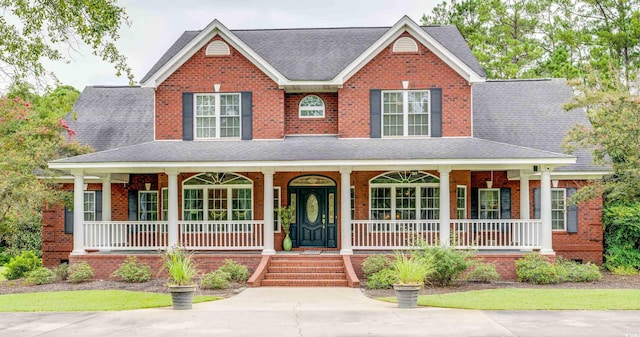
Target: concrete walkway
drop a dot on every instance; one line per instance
(311, 312)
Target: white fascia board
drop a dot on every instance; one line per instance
(314, 164)
(406, 24)
(213, 29)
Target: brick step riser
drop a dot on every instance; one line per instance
(304, 283)
(306, 264)
(304, 276)
(305, 269)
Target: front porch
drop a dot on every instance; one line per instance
(364, 235)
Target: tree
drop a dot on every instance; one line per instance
(30, 136)
(34, 30)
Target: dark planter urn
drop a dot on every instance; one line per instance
(182, 296)
(407, 295)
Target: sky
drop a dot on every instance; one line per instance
(156, 24)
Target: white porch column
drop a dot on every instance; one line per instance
(445, 205)
(268, 212)
(106, 198)
(78, 212)
(172, 211)
(545, 211)
(524, 196)
(345, 211)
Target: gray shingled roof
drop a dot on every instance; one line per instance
(325, 148)
(528, 113)
(112, 117)
(320, 54)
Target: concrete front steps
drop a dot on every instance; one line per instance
(299, 270)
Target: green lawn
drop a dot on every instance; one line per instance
(535, 299)
(88, 300)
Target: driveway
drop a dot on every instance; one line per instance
(307, 312)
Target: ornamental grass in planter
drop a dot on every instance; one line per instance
(182, 270)
(410, 272)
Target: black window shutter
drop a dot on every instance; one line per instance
(133, 205)
(68, 221)
(572, 213)
(98, 205)
(187, 116)
(536, 203)
(247, 115)
(474, 203)
(375, 106)
(436, 112)
(505, 203)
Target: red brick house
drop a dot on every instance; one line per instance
(374, 135)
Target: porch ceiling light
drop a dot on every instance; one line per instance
(554, 183)
(147, 186)
(405, 85)
(216, 87)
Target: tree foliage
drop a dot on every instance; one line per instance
(30, 136)
(34, 30)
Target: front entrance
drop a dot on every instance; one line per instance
(314, 199)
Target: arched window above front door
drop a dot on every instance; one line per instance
(404, 195)
(215, 196)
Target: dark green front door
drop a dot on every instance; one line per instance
(312, 212)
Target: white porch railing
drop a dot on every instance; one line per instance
(222, 235)
(393, 234)
(496, 234)
(125, 235)
(465, 234)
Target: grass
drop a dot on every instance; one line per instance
(535, 299)
(88, 300)
(2, 270)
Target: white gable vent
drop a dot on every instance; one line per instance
(217, 48)
(405, 45)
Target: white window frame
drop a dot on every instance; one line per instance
(89, 206)
(352, 192)
(205, 197)
(302, 109)
(277, 199)
(140, 211)
(480, 209)
(217, 115)
(405, 113)
(165, 204)
(556, 209)
(462, 209)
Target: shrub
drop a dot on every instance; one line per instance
(236, 271)
(80, 272)
(62, 271)
(133, 272)
(621, 221)
(448, 263)
(374, 264)
(536, 269)
(4, 256)
(572, 271)
(383, 279)
(217, 279)
(41, 275)
(625, 270)
(21, 265)
(483, 272)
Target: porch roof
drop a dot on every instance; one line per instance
(300, 151)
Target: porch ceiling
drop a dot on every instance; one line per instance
(316, 152)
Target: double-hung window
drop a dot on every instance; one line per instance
(461, 202)
(558, 209)
(406, 113)
(148, 205)
(89, 206)
(217, 116)
(489, 203)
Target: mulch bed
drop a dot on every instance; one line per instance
(608, 281)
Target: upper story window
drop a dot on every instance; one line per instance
(217, 116)
(311, 106)
(405, 113)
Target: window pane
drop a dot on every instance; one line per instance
(89, 206)
(489, 204)
(392, 120)
(165, 204)
(558, 209)
(418, 113)
(381, 203)
(217, 204)
(405, 203)
(461, 202)
(205, 116)
(230, 116)
(276, 205)
(193, 204)
(430, 203)
(148, 205)
(241, 204)
(353, 203)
